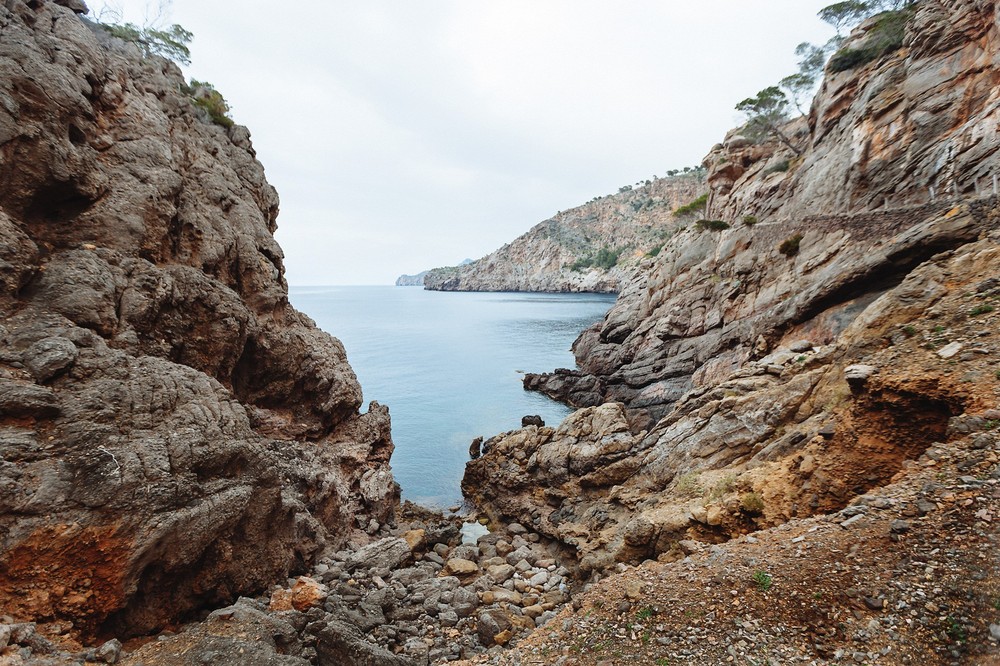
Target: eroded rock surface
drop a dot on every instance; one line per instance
(561, 253)
(173, 433)
(809, 245)
(782, 366)
(888, 133)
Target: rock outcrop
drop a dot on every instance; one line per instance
(596, 247)
(173, 433)
(782, 365)
(411, 280)
(790, 434)
(917, 124)
(807, 242)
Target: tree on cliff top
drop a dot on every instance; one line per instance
(843, 15)
(766, 113)
(170, 43)
(151, 37)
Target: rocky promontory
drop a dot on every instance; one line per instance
(786, 448)
(411, 280)
(595, 247)
(803, 242)
(173, 433)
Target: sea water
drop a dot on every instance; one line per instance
(449, 366)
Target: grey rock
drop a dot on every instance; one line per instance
(492, 621)
(539, 579)
(516, 528)
(465, 601)
(859, 374)
(949, 350)
(110, 652)
(48, 357)
(389, 553)
(344, 644)
(140, 278)
(237, 634)
(852, 520)
(19, 398)
(77, 6)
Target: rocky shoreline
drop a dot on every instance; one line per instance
(419, 593)
(788, 447)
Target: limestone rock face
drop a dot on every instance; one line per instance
(173, 433)
(786, 435)
(821, 243)
(789, 363)
(887, 133)
(630, 223)
(716, 301)
(411, 280)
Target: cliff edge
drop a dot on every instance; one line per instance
(800, 392)
(173, 433)
(596, 247)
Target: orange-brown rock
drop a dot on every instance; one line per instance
(306, 593)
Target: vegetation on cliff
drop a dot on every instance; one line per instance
(594, 247)
(767, 112)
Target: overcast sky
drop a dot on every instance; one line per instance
(408, 134)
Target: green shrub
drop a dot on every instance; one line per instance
(207, 97)
(696, 205)
(763, 580)
(752, 503)
(790, 246)
(605, 258)
(981, 309)
(655, 251)
(780, 167)
(645, 614)
(712, 225)
(909, 330)
(749, 220)
(884, 37)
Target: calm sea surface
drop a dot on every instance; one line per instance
(449, 366)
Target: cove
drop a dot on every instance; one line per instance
(449, 366)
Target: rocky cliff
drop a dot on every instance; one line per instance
(411, 280)
(806, 351)
(879, 140)
(173, 433)
(918, 124)
(595, 247)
